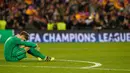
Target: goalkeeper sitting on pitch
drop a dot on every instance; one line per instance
(16, 47)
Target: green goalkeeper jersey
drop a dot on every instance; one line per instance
(12, 44)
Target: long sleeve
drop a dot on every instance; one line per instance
(29, 44)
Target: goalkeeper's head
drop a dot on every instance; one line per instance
(24, 35)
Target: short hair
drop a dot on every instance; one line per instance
(25, 34)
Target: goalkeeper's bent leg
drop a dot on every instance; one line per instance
(36, 53)
(22, 53)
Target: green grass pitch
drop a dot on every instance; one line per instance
(114, 57)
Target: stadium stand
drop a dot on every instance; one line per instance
(74, 14)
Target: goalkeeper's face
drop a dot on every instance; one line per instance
(23, 38)
(24, 35)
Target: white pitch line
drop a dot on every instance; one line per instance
(95, 64)
(87, 67)
(110, 69)
(93, 67)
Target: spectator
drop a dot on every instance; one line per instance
(97, 23)
(2, 23)
(76, 14)
(113, 23)
(125, 25)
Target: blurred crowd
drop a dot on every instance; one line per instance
(66, 14)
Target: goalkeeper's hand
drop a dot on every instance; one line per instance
(22, 46)
(37, 47)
